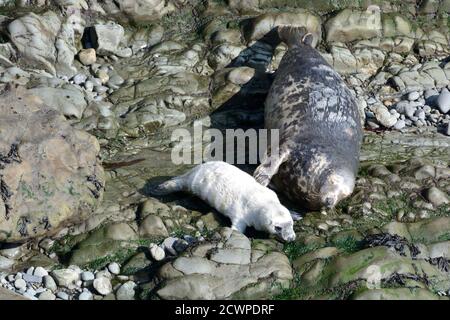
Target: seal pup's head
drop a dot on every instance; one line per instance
(338, 185)
(277, 220)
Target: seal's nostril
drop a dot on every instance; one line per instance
(329, 202)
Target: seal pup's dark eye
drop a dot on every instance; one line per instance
(278, 228)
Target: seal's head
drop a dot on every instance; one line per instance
(278, 221)
(338, 185)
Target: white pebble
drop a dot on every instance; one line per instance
(103, 286)
(87, 276)
(157, 252)
(20, 284)
(114, 268)
(85, 295)
(40, 272)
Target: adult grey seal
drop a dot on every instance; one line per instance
(319, 127)
(236, 195)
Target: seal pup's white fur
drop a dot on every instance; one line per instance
(236, 195)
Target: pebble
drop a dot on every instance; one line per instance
(87, 276)
(413, 96)
(89, 85)
(103, 76)
(47, 295)
(114, 268)
(157, 252)
(116, 81)
(65, 277)
(40, 272)
(86, 295)
(103, 273)
(62, 295)
(79, 79)
(420, 114)
(103, 286)
(100, 89)
(20, 284)
(410, 110)
(400, 124)
(443, 101)
(126, 291)
(87, 56)
(49, 283)
(31, 278)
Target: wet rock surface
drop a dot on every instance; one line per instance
(92, 92)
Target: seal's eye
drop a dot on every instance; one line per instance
(278, 228)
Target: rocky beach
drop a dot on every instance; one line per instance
(91, 92)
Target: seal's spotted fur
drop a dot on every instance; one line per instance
(319, 123)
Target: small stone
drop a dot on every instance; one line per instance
(443, 101)
(420, 114)
(30, 294)
(114, 268)
(20, 284)
(87, 56)
(413, 96)
(103, 286)
(126, 291)
(383, 116)
(89, 85)
(29, 278)
(103, 76)
(436, 196)
(62, 295)
(152, 226)
(103, 273)
(87, 276)
(399, 125)
(86, 295)
(79, 79)
(49, 283)
(40, 272)
(115, 81)
(47, 295)
(157, 252)
(66, 277)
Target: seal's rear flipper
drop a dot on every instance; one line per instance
(269, 166)
(172, 185)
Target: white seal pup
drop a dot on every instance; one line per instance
(235, 194)
(319, 126)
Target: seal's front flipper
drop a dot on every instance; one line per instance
(269, 166)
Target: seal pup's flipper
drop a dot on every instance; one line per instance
(269, 166)
(239, 225)
(173, 185)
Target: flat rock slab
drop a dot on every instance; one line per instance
(6, 294)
